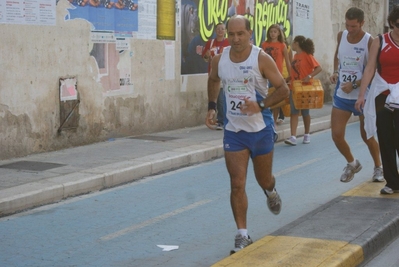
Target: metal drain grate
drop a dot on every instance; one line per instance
(31, 165)
(154, 138)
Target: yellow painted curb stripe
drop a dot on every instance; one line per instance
(295, 251)
(298, 251)
(369, 189)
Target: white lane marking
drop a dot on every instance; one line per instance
(293, 168)
(154, 220)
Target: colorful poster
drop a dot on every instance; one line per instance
(199, 18)
(120, 16)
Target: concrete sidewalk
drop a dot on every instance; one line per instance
(344, 232)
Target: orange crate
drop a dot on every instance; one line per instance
(308, 95)
(287, 110)
(280, 104)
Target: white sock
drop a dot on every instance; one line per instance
(353, 163)
(306, 134)
(293, 137)
(269, 193)
(243, 232)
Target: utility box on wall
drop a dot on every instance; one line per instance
(69, 104)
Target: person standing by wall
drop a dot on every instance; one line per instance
(287, 77)
(213, 47)
(244, 70)
(303, 67)
(350, 59)
(275, 46)
(382, 106)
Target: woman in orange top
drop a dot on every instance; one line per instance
(303, 67)
(275, 47)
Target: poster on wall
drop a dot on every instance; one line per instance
(199, 17)
(303, 15)
(28, 12)
(127, 18)
(113, 24)
(166, 19)
(147, 20)
(119, 16)
(114, 66)
(68, 89)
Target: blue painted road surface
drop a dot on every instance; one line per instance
(188, 208)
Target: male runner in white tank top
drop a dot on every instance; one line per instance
(350, 59)
(249, 132)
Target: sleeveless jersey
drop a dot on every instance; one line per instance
(240, 81)
(389, 57)
(352, 61)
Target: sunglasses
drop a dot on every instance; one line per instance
(396, 24)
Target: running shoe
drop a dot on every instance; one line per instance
(219, 126)
(274, 203)
(378, 175)
(240, 242)
(306, 139)
(291, 141)
(388, 191)
(349, 172)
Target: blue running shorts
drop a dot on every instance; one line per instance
(258, 143)
(346, 105)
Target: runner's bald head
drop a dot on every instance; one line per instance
(240, 18)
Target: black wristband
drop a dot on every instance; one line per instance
(211, 105)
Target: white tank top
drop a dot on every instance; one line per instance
(352, 61)
(243, 80)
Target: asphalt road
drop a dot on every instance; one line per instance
(188, 208)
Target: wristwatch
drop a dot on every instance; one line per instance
(354, 85)
(261, 105)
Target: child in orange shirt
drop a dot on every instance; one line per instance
(303, 67)
(275, 47)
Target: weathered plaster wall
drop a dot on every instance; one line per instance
(324, 43)
(33, 58)
(330, 19)
(374, 15)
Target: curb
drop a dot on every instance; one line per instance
(52, 190)
(321, 238)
